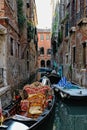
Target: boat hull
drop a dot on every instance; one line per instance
(77, 98)
(69, 91)
(38, 124)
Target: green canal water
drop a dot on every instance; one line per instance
(68, 117)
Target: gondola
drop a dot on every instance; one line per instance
(53, 77)
(23, 120)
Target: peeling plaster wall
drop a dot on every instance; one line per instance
(5, 95)
(16, 72)
(78, 71)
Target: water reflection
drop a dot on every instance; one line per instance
(69, 117)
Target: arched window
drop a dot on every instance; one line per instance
(42, 63)
(48, 63)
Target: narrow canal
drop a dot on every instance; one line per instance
(68, 117)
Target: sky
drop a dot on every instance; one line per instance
(44, 13)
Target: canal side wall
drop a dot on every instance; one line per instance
(75, 50)
(79, 71)
(15, 60)
(5, 96)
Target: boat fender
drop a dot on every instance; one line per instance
(49, 100)
(49, 103)
(63, 95)
(56, 89)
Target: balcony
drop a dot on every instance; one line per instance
(78, 17)
(81, 15)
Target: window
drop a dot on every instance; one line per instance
(47, 37)
(27, 55)
(66, 28)
(28, 3)
(41, 37)
(74, 54)
(42, 50)
(84, 55)
(27, 65)
(48, 63)
(66, 58)
(48, 51)
(11, 46)
(42, 63)
(18, 49)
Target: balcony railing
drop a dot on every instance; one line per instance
(76, 17)
(81, 14)
(85, 11)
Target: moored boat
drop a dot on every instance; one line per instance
(69, 91)
(35, 108)
(53, 77)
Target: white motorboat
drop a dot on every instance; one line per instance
(67, 90)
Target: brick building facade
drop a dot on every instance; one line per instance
(72, 40)
(44, 48)
(16, 45)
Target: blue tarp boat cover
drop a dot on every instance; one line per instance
(66, 84)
